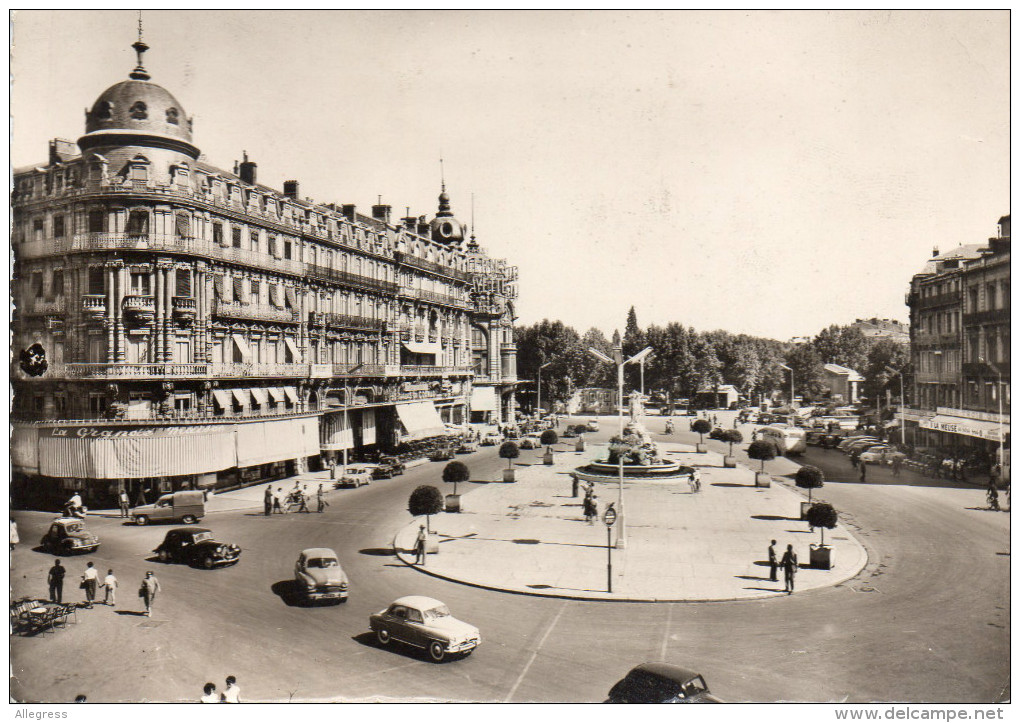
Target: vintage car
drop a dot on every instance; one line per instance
(531, 441)
(388, 467)
(68, 535)
(661, 683)
(492, 437)
(356, 475)
(426, 623)
(196, 546)
(318, 576)
(882, 453)
(592, 425)
(443, 453)
(467, 446)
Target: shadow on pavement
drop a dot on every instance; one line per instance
(378, 551)
(287, 591)
(752, 577)
(729, 484)
(801, 532)
(774, 517)
(369, 640)
(138, 613)
(764, 589)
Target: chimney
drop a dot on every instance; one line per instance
(62, 150)
(381, 212)
(423, 226)
(348, 210)
(290, 189)
(409, 222)
(934, 251)
(248, 170)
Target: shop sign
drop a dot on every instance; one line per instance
(122, 433)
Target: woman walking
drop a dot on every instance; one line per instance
(150, 586)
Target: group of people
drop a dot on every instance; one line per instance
(230, 694)
(276, 501)
(789, 564)
(91, 585)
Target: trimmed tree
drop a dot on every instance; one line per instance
(823, 516)
(549, 438)
(702, 427)
(809, 478)
(455, 472)
(425, 500)
(509, 451)
(732, 436)
(763, 450)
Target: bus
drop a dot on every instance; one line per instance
(788, 440)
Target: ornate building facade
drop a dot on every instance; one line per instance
(177, 324)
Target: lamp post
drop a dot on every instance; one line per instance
(903, 403)
(783, 366)
(998, 396)
(347, 409)
(620, 362)
(539, 375)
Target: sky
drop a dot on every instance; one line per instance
(767, 173)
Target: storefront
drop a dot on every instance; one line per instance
(484, 405)
(419, 420)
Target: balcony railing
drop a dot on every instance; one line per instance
(418, 263)
(991, 316)
(345, 321)
(177, 371)
(140, 308)
(94, 305)
(356, 280)
(184, 307)
(950, 297)
(46, 306)
(234, 310)
(434, 297)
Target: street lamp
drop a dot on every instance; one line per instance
(620, 362)
(347, 410)
(539, 375)
(998, 395)
(783, 366)
(903, 403)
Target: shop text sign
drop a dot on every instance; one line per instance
(118, 433)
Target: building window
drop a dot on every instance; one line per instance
(103, 110)
(183, 285)
(172, 116)
(235, 233)
(272, 245)
(256, 292)
(37, 229)
(58, 227)
(97, 221)
(973, 299)
(97, 280)
(287, 249)
(182, 225)
(217, 233)
(139, 111)
(138, 223)
(182, 403)
(140, 283)
(97, 403)
(37, 284)
(58, 282)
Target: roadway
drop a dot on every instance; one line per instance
(927, 620)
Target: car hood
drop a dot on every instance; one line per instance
(326, 575)
(453, 627)
(86, 535)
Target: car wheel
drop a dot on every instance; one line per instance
(437, 651)
(207, 563)
(383, 636)
(164, 556)
(141, 520)
(189, 519)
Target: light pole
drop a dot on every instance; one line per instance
(347, 410)
(620, 362)
(903, 404)
(998, 395)
(783, 366)
(539, 375)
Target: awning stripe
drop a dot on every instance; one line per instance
(291, 393)
(261, 397)
(241, 395)
(293, 349)
(222, 398)
(277, 394)
(242, 346)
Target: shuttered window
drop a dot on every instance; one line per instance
(184, 282)
(97, 280)
(239, 291)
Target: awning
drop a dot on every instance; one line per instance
(293, 350)
(291, 393)
(423, 347)
(242, 346)
(275, 441)
(483, 399)
(967, 427)
(368, 426)
(25, 449)
(222, 397)
(335, 432)
(420, 419)
(277, 394)
(261, 398)
(242, 398)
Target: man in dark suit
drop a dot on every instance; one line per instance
(789, 563)
(773, 562)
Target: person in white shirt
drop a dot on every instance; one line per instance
(91, 581)
(210, 694)
(110, 585)
(232, 693)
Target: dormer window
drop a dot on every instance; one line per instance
(172, 116)
(139, 111)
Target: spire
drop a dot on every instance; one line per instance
(442, 176)
(140, 47)
(472, 244)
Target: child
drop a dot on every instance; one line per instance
(110, 585)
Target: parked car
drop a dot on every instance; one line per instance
(847, 441)
(467, 446)
(661, 683)
(592, 425)
(443, 453)
(197, 547)
(531, 442)
(570, 431)
(184, 506)
(863, 445)
(318, 576)
(388, 467)
(492, 438)
(356, 475)
(874, 454)
(426, 623)
(68, 535)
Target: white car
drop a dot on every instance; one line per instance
(874, 455)
(356, 475)
(592, 425)
(426, 623)
(492, 438)
(531, 441)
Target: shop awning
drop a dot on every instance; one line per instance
(261, 397)
(25, 449)
(242, 346)
(423, 347)
(222, 398)
(277, 394)
(276, 441)
(368, 426)
(291, 393)
(295, 354)
(483, 399)
(241, 397)
(420, 419)
(967, 427)
(335, 432)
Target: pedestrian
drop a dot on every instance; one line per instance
(855, 458)
(232, 693)
(125, 503)
(897, 463)
(210, 694)
(573, 486)
(993, 496)
(150, 586)
(267, 500)
(89, 582)
(754, 435)
(14, 533)
(789, 563)
(320, 498)
(593, 509)
(864, 471)
(302, 500)
(773, 562)
(110, 586)
(277, 495)
(141, 496)
(419, 546)
(55, 578)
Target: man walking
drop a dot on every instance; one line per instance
(897, 463)
(864, 471)
(110, 586)
(150, 586)
(419, 546)
(90, 580)
(277, 494)
(773, 562)
(789, 563)
(302, 499)
(320, 498)
(55, 578)
(267, 501)
(125, 503)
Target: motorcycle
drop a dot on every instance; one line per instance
(78, 511)
(669, 427)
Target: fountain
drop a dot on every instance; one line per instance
(641, 460)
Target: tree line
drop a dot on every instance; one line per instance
(684, 360)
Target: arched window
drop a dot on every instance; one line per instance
(103, 110)
(172, 116)
(139, 111)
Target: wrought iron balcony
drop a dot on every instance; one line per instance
(345, 321)
(235, 310)
(423, 265)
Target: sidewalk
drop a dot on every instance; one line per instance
(530, 536)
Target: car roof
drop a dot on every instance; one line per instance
(318, 552)
(667, 670)
(182, 530)
(418, 601)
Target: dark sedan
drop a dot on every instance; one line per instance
(196, 546)
(388, 467)
(661, 683)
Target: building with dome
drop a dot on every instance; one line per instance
(180, 325)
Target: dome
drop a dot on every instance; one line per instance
(445, 228)
(139, 106)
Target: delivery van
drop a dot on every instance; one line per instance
(187, 506)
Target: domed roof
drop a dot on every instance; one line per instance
(139, 105)
(445, 228)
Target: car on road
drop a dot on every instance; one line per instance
(847, 441)
(318, 576)
(592, 425)
(862, 445)
(197, 547)
(467, 446)
(874, 454)
(443, 453)
(388, 467)
(356, 475)
(531, 441)
(491, 438)
(69, 536)
(425, 623)
(661, 683)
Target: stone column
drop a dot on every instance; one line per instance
(169, 333)
(118, 309)
(110, 323)
(159, 291)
